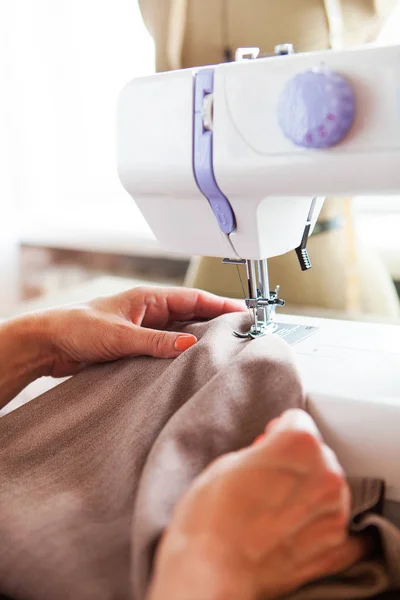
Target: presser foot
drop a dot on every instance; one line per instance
(263, 314)
(257, 332)
(261, 302)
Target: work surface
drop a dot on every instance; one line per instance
(351, 372)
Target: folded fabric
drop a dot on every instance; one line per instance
(370, 577)
(90, 471)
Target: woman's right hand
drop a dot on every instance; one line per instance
(260, 522)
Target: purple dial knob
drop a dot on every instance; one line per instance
(316, 108)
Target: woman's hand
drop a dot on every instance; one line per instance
(124, 325)
(261, 522)
(61, 341)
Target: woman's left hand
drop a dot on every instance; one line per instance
(130, 323)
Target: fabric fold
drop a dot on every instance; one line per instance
(91, 470)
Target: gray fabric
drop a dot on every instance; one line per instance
(71, 461)
(90, 471)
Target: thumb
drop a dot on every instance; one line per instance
(160, 344)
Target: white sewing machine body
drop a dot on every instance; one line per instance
(255, 166)
(351, 370)
(351, 373)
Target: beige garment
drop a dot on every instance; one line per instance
(90, 471)
(197, 32)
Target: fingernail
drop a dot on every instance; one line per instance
(259, 439)
(271, 424)
(183, 342)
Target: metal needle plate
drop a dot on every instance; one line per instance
(292, 334)
(252, 334)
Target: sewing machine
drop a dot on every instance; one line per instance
(213, 156)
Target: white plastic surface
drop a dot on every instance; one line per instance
(268, 181)
(250, 149)
(351, 372)
(155, 125)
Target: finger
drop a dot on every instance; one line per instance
(331, 460)
(270, 425)
(295, 419)
(261, 437)
(354, 549)
(338, 559)
(320, 536)
(160, 344)
(292, 419)
(267, 429)
(294, 443)
(298, 420)
(184, 304)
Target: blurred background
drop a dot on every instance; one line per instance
(69, 231)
